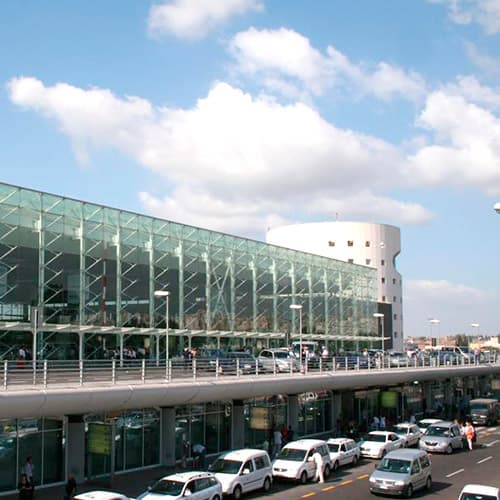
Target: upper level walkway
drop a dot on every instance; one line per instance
(58, 388)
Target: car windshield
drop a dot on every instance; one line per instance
(423, 425)
(476, 496)
(167, 487)
(281, 354)
(292, 454)
(479, 406)
(226, 466)
(334, 448)
(435, 430)
(377, 438)
(395, 465)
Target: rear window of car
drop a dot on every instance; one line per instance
(262, 462)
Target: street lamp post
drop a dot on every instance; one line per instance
(381, 317)
(166, 294)
(433, 321)
(299, 308)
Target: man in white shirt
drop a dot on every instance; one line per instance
(277, 440)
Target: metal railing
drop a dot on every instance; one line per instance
(52, 373)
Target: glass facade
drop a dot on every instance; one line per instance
(86, 265)
(40, 439)
(315, 413)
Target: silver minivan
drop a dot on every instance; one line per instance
(401, 472)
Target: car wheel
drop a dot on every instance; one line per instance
(216, 497)
(409, 491)
(303, 477)
(327, 471)
(335, 466)
(354, 460)
(449, 450)
(237, 493)
(267, 484)
(428, 483)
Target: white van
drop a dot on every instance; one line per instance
(241, 471)
(295, 460)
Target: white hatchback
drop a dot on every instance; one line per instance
(241, 471)
(410, 432)
(343, 451)
(377, 444)
(195, 485)
(479, 491)
(295, 461)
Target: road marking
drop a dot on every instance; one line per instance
(492, 443)
(328, 488)
(456, 472)
(485, 459)
(307, 495)
(345, 483)
(364, 476)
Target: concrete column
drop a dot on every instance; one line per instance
(237, 425)
(75, 447)
(336, 412)
(293, 412)
(428, 399)
(449, 397)
(167, 436)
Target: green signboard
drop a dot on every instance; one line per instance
(99, 439)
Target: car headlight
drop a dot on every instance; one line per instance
(399, 483)
(372, 480)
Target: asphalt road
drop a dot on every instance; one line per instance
(449, 473)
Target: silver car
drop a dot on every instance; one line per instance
(401, 472)
(444, 437)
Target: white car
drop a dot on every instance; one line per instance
(377, 444)
(195, 485)
(410, 432)
(295, 460)
(478, 491)
(425, 422)
(241, 471)
(101, 495)
(343, 451)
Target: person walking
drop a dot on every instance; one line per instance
(29, 470)
(320, 466)
(69, 488)
(469, 434)
(24, 487)
(277, 442)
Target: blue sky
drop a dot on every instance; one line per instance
(238, 115)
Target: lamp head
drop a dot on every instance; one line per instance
(496, 207)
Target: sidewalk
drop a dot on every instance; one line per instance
(128, 483)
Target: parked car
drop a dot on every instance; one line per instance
(483, 411)
(410, 432)
(343, 451)
(351, 361)
(101, 495)
(425, 422)
(402, 472)
(234, 360)
(241, 471)
(443, 437)
(279, 359)
(398, 359)
(377, 444)
(295, 461)
(479, 492)
(195, 485)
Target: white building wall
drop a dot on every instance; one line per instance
(370, 244)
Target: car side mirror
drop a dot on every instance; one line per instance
(245, 472)
(310, 459)
(188, 492)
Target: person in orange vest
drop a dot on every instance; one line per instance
(469, 434)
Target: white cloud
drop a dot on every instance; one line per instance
(193, 19)
(466, 150)
(456, 306)
(486, 13)
(252, 159)
(486, 63)
(286, 59)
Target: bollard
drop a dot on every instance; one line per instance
(5, 371)
(194, 368)
(143, 370)
(113, 371)
(44, 373)
(80, 368)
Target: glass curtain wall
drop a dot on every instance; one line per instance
(84, 264)
(40, 439)
(315, 413)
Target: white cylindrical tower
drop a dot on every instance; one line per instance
(364, 243)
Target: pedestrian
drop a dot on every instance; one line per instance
(290, 434)
(69, 488)
(186, 451)
(277, 441)
(413, 419)
(382, 423)
(24, 487)
(29, 470)
(320, 466)
(375, 423)
(21, 357)
(199, 454)
(469, 434)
